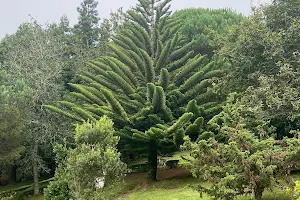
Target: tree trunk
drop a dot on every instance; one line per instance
(258, 193)
(152, 34)
(35, 169)
(13, 174)
(152, 160)
(4, 176)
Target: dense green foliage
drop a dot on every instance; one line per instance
(146, 82)
(265, 65)
(45, 58)
(13, 100)
(85, 40)
(281, 14)
(95, 157)
(252, 151)
(35, 55)
(205, 25)
(295, 191)
(244, 164)
(87, 29)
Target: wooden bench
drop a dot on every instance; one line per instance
(172, 163)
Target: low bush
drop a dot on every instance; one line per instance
(244, 164)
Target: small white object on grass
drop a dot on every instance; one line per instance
(100, 182)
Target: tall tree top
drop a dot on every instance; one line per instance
(88, 21)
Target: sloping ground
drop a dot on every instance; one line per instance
(172, 173)
(171, 184)
(174, 185)
(185, 193)
(165, 194)
(22, 190)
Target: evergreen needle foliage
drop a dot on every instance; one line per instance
(151, 73)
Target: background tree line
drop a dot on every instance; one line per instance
(37, 62)
(209, 80)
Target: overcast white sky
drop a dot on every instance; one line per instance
(14, 12)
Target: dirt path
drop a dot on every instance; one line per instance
(163, 174)
(144, 183)
(172, 173)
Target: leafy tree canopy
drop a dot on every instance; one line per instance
(204, 25)
(35, 55)
(264, 60)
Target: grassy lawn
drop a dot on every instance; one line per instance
(138, 187)
(178, 189)
(41, 197)
(167, 190)
(174, 194)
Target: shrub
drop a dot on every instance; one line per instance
(296, 191)
(94, 158)
(245, 164)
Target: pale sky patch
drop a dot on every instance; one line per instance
(15, 12)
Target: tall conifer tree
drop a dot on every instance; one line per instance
(87, 28)
(146, 83)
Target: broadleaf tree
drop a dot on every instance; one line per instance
(146, 82)
(205, 25)
(263, 53)
(33, 54)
